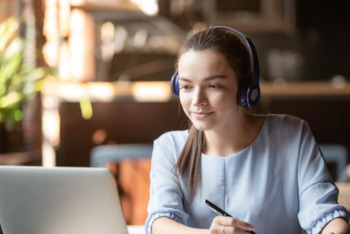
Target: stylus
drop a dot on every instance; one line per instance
(216, 209)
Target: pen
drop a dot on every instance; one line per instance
(216, 209)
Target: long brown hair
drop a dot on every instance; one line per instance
(225, 42)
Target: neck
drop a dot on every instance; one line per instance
(232, 139)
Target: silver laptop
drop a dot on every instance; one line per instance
(61, 200)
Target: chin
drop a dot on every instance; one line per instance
(201, 127)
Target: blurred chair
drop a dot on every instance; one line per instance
(130, 165)
(337, 155)
(103, 154)
(345, 175)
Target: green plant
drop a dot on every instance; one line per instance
(19, 80)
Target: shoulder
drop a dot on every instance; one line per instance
(286, 121)
(285, 118)
(173, 137)
(170, 143)
(286, 127)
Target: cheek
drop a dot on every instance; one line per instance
(221, 99)
(184, 101)
(224, 102)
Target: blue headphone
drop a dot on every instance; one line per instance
(251, 95)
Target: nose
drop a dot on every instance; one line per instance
(199, 97)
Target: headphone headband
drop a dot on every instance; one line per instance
(250, 96)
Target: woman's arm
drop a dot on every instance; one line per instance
(220, 225)
(167, 225)
(337, 226)
(318, 194)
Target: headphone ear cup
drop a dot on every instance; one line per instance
(174, 84)
(243, 101)
(250, 97)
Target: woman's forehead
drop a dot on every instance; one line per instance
(203, 56)
(205, 59)
(203, 64)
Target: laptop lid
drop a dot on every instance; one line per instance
(37, 200)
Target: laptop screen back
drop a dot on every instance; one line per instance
(37, 200)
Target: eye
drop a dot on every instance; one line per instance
(215, 86)
(185, 86)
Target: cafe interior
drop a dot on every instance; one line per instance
(105, 96)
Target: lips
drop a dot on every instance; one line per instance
(201, 115)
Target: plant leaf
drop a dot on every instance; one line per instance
(8, 31)
(10, 99)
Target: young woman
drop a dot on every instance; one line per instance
(265, 171)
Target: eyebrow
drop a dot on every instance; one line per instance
(213, 77)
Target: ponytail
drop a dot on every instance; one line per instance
(189, 162)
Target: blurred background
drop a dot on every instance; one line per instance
(85, 73)
(108, 64)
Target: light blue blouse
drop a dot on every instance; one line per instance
(279, 183)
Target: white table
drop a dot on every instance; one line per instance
(135, 229)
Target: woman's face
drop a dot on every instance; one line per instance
(208, 89)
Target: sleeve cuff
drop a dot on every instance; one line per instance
(152, 218)
(327, 217)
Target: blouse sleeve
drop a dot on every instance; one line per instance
(318, 194)
(165, 191)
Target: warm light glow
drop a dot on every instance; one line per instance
(51, 133)
(101, 92)
(121, 36)
(99, 136)
(107, 38)
(151, 91)
(64, 67)
(49, 155)
(51, 126)
(149, 7)
(50, 23)
(81, 46)
(50, 53)
(107, 32)
(338, 81)
(75, 92)
(77, 44)
(77, 2)
(50, 30)
(64, 12)
(94, 91)
(71, 92)
(140, 38)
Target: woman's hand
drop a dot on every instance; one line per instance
(229, 225)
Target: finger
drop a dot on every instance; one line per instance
(234, 230)
(233, 222)
(241, 224)
(216, 225)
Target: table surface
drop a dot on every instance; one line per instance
(136, 229)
